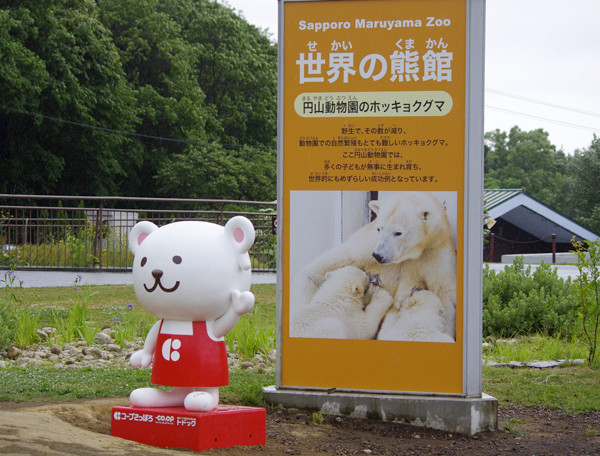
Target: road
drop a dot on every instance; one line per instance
(33, 279)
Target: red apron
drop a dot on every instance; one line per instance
(190, 360)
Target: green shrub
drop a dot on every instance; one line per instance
(7, 324)
(587, 286)
(132, 322)
(517, 301)
(250, 337)
(18, 323)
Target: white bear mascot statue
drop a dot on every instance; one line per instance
(195, 277)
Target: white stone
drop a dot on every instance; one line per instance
(13, 352)
(113, 348)
(102, 338)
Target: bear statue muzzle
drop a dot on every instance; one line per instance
(157, 274)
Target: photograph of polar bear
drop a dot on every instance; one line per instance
(348, 305)
(420, 318)
(404, 239)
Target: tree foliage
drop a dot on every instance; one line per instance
(525, 160)
(109, 96)
(178, 98)
(235, 64)
(528, 161)
(59, 63)
(584, 166)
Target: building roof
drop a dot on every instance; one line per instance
(515, 207)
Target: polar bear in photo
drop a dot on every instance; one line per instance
(346, 306)
(409, 244)
(420, 318)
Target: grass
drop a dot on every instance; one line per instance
(574, 389)
(101, 296)
(254, 333)
(35, 384)
(534, 348)
(105, 302)
(67, 308)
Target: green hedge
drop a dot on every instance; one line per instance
(519, 301)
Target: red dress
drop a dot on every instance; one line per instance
(190, 360)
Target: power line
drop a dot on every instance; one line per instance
(559, 122)
(196, 142)
(545, 103)
(128, 133)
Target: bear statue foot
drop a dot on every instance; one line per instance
(152, 397)
(202, 401)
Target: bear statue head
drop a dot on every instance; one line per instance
(187, 270)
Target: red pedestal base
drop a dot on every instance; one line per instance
(175, 427)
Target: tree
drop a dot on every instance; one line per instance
(63, 87)
(584, 167)
(211, 172)
(526, 160)
(236, 67)
(201, 75)
(158, 65)
(103, 96)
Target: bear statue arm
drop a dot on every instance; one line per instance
(143, 357)
(241, 303)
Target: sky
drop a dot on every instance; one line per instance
(542, 65)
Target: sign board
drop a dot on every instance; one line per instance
(380, 115)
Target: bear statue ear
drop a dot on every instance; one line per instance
(374, 206)
(240, 232)
(138, 233)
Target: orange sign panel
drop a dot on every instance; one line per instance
(373, 167)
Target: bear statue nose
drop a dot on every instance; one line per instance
(157, 273)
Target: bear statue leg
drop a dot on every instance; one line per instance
(152, 397)
(203, 400)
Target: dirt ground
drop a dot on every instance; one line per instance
(83, 428)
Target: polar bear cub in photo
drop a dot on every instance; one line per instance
(346, 306)
(420, 318)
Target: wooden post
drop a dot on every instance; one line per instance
(491, 253)
(553, 248)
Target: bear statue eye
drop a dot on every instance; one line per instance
(378, 229)
(397, 233)
(143, 262)
(177, 259)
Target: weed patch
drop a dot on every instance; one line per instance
(533, 348)
(587, 286)
(573, 388)
(29, 384)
